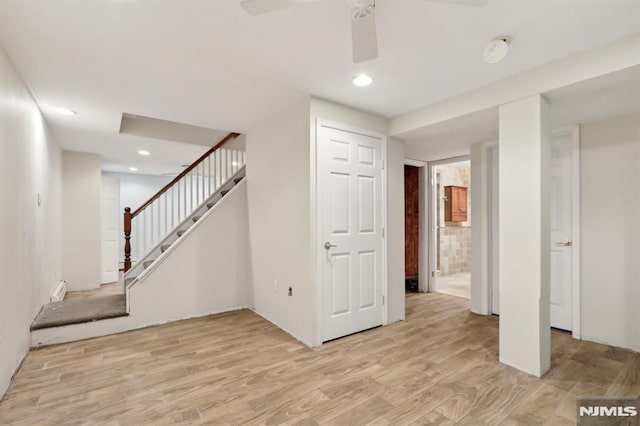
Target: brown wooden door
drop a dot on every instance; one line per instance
(411, 220)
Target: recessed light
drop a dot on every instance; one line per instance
(362, 80)
(65, 111)
(133, 169)
(497, 49)
(144, 152)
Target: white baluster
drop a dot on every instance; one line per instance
(218, 168)
(202, 183)
(166, 213)
(134, 241)
(210, 189)
(151, 226)
(173, 207)
(190, 193)
(197, 203)
(158, 221)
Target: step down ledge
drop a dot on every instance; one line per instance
(79, 311)
(80, 331)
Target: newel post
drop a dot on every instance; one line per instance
(127, 237)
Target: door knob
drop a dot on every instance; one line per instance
(565, 243)
(328, 245)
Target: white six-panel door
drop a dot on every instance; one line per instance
(350, 230)
(560, 221)
(110, 221)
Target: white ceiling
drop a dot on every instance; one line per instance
(599, 98)
(207, 63)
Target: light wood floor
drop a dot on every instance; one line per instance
(458, 285)
(438, 367)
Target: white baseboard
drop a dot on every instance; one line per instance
(60, 291)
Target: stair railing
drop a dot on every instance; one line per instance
(159, 215)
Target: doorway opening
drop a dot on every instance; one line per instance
(411, 228)
(451, 227)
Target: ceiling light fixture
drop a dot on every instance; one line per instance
(133, 169)
(65, 111)
(144, 152)
(497, 49)
(362, 80)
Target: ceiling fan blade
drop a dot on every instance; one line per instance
(364, 39)
(474, 3)
(260, 7)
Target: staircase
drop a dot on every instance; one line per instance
(152, 233)
(152, 229)
(162, 248)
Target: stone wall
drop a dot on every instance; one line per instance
(455, 250)
(455, 237)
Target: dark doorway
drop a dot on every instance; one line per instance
(411, 226)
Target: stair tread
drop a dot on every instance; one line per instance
(196, 218)
(181, 232)
(147, 263)
(76, 311)
(165, 247)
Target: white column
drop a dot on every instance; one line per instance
(525, 341)
(480, 169)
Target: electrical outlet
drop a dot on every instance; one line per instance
(276, 285)
(290, 291)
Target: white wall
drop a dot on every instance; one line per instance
(209, 268)
(135, 189)
(610, 234)
(81, 185)
(30, 247)
(279, 212)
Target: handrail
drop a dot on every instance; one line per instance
(184, 173)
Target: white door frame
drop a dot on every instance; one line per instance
(431, 240)
(319, 252)
(574, 131)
